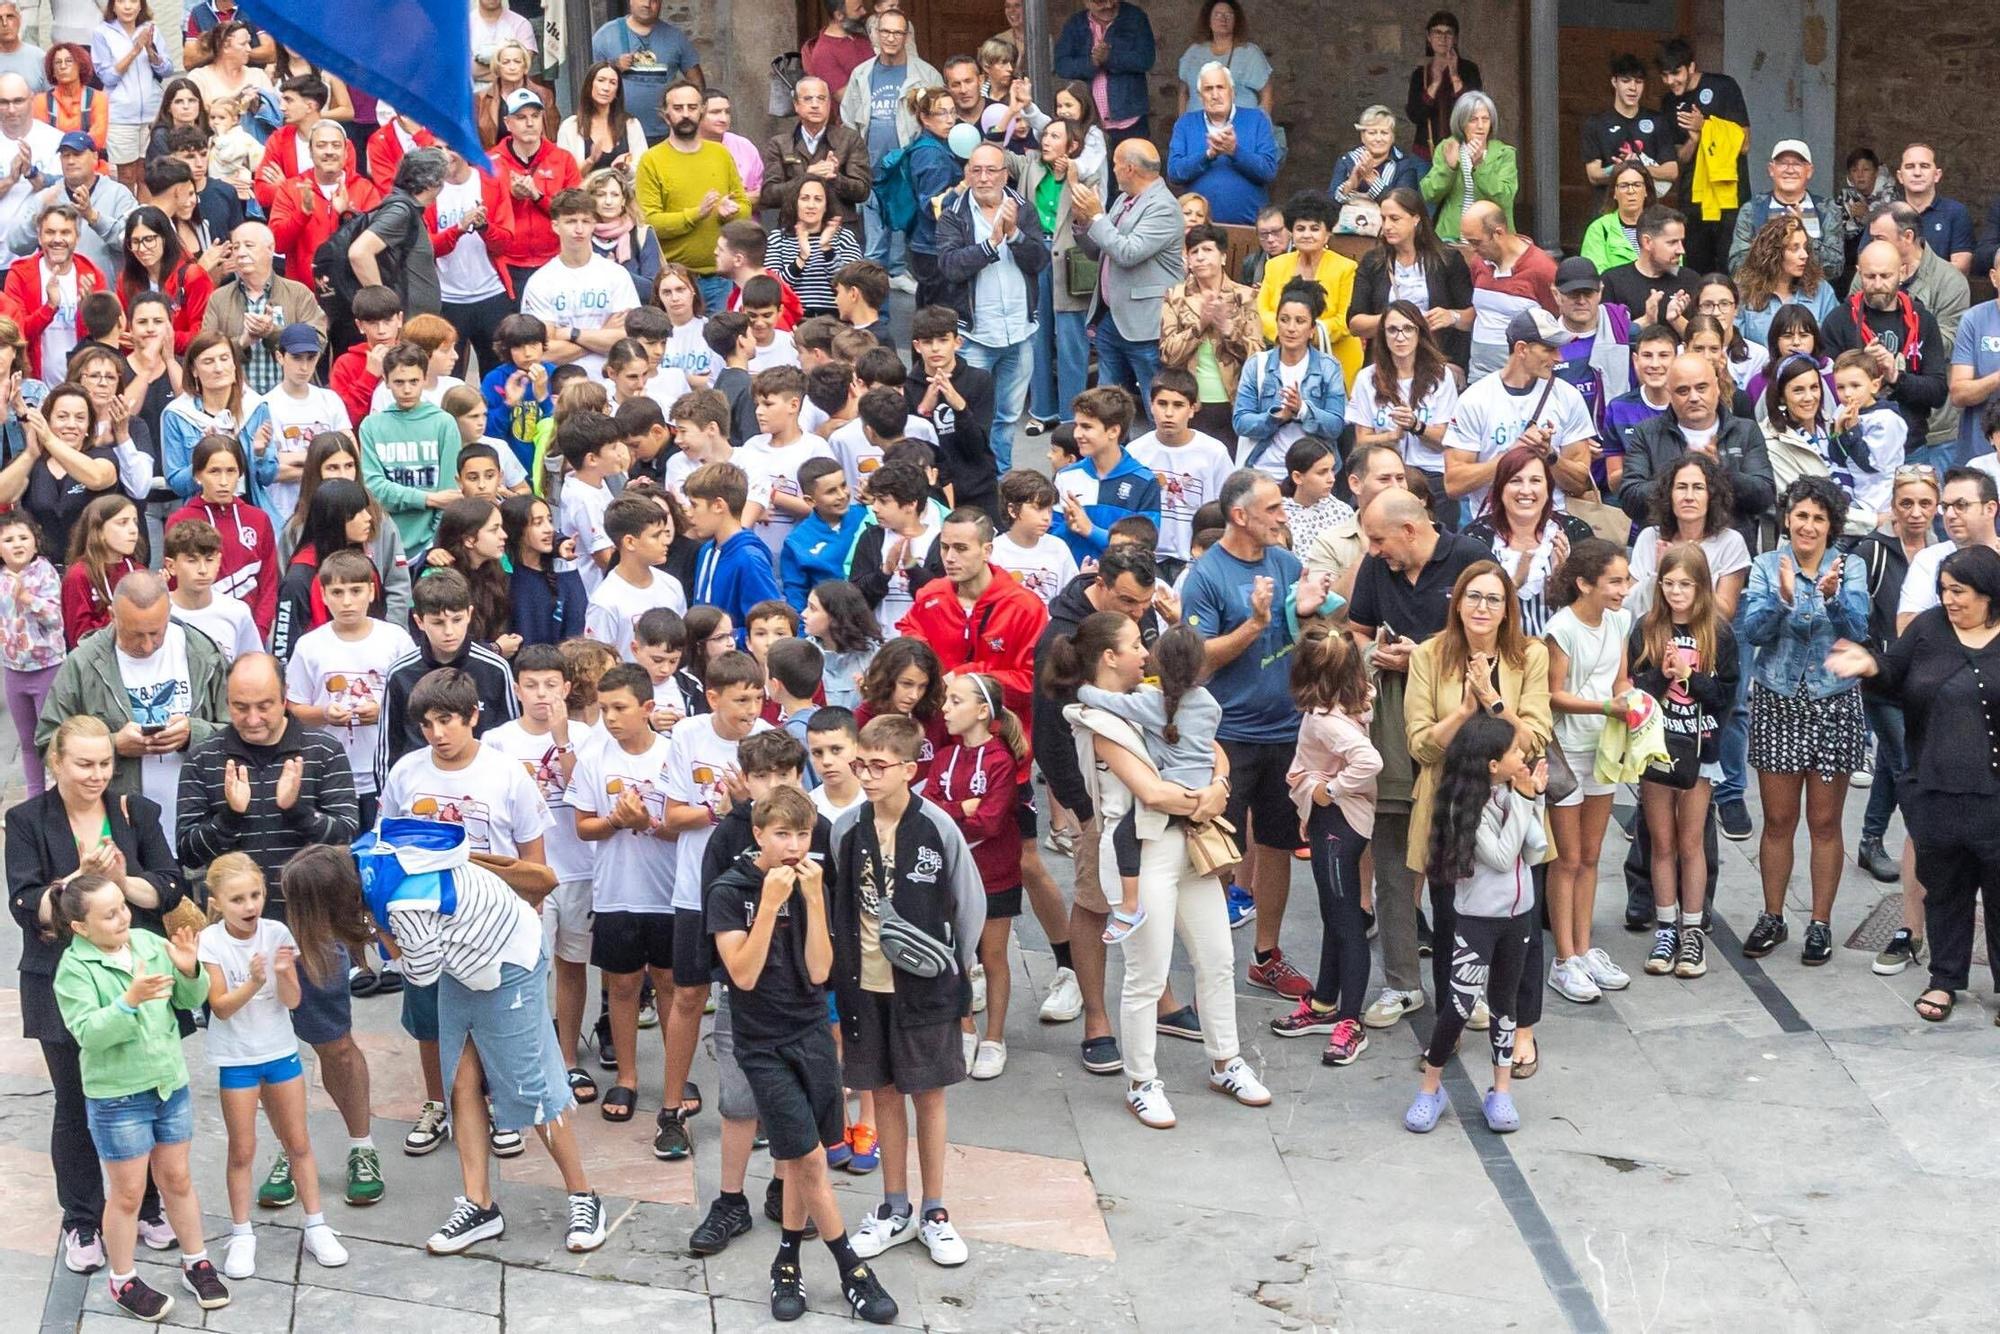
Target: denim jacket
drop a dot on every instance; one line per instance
(1322, 405)
(1792, 642)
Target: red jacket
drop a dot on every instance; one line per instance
(385, 154)
(25, 298)
(499, 227)
(533, 242)
(301, 219)
(187, 290)
(990, 775)
(996, 638)
(790, 312)
(85, 605)
(354, 382)
(249, 554)
(283, 148)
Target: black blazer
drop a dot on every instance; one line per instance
(40, 850)
(1450, 284)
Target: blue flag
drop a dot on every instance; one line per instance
(415, 55)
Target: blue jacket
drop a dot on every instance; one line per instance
(546, 611)
(1130, 38)
(815, 552)
(182, 426)
(1322, 409)
(735, 578)
(1404, 170)
(1128, 489)
(516, 425)
(1235, 186)
(933, 171)
(1792, 642)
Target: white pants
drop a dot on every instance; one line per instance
(1175, 899)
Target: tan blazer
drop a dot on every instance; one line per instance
(1181, 331)
(1431, 697)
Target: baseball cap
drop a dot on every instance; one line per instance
(1536, 325)
(76, 141)
(1798, 146)
(520, 100)
(299, 338)
(1577, 274)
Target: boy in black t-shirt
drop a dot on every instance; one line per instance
(768, 916)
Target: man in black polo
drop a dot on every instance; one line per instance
(1402, 592)
(1657, 287)
(1629, 130)
(1693, 96)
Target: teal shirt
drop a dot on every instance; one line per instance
(125, 1052)
(406, 455)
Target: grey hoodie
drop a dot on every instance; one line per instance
(1509, 843)
(1189, 761)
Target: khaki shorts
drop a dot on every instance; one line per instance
(125, 143)
(566, 919)
(1089, 891)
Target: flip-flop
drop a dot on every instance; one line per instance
(362, 981)
(619, 1104)
(1936, 1012)
(389, 981)
(690, 1099)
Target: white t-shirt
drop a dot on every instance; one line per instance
(858, 455)
(60, 337)
(694, 771)
(294, 423)
(508, 27)
(262, 1030)
(636, 869)
(903, 584)
(541, 760)
(1190, 476)
(227, 620)
(586, 296)
(1919, 585)
(326, 670)
(580, 514)
(1366, 408)
(1594, 656)
(1726, 551)
(825, 803)
(157, 690)
(1491, 418)
(466, 274)
(616, 605)
(687, 352)
(1044, 569)
(493, 797)
(779, 353)
(774, 471)
(667, 388)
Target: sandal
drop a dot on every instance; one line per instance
(581, 1086)
(690, 1099)
(1934, 1011)
(619, 1104)
(1120, 926)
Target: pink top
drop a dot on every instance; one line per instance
(1334, 752)
(1100, 82)
(749, 162)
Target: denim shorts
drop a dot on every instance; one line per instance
(128, 1127)
(420, 1011)
(283, 1070)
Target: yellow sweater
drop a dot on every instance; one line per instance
(670, 188)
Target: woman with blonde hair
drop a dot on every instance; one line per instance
(621, 234)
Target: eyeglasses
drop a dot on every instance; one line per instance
(875, 768)
(1399, 331)
(1494, 601)
(720, 638)
(1961, 506)
(1716, 307)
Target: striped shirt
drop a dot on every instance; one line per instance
(492, 926)
(325, 810)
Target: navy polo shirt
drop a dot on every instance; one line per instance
(1947, 227)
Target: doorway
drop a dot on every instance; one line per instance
(942, 27)
(1592, 33)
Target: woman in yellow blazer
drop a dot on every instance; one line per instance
(1310, 217)
(1482, 659)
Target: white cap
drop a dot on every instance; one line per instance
(1784, 146)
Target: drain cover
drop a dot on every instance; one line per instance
(1881, 923)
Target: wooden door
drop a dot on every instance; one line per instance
(954, 27)
(1592, 32)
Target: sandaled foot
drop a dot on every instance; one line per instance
(581, 1086)
(1122, 925)
(619, 1104)
(1933, 1010)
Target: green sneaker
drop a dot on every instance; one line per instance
(364, 1176)
(278, 1190)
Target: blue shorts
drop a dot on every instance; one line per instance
(420, 1011)
(283, 1070)
(325, 1013)
(129, 1127)
(515, 1036)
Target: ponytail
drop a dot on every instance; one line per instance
(69, 904)
(1179, 658)
(1073, 660)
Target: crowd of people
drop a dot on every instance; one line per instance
(435, 578)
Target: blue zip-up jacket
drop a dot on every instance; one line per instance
(547, 607)
(815, 552)
(182, 426)
(735, 577)
(1130, 37)
(517, 425)
(1792, 641)
(1130, 488)
(1322, 405)
(933, 171)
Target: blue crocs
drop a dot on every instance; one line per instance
(1502, 1118)
(1425, 1109)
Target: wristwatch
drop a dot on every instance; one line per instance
(571, 333)
(1497, 707)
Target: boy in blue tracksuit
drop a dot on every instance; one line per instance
(817, 548)
(732, 571)
(1106, 484)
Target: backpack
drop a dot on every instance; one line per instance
(333, 276)
(895, 192)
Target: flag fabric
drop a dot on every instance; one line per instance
(414, 54)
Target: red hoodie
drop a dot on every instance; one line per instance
(553, 170)
(249, 554)
(996, 637)
(86, 603)
(302, 219)
(354, 382)
(990, 775)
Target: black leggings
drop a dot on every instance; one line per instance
(79, 1176)
(1487, 954)
(1125, 840)
(1343, 941)
(1527, 997)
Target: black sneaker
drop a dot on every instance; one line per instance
(865, 1294)
(1639, 917)
(201, 1279)
(774, 1208)
(1423, 935)
(1733, 818)
(1769, 933)
(1874, 859)
(1693, 958)
(671, 1141)
(727, 1220)
(788, 1292)
(141, 1302)
(1902, 950)
(607, 1055)
(468, 1224)
(1819, 944)
(1666, 945)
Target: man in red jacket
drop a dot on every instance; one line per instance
(44, 289)
(534, 171)
(306, 210)
(395, 138)
(287, 153)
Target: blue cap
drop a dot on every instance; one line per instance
(299, 338)
(76, 141)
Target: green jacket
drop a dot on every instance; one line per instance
(125, 1052)
(405, 456)
(1495, 178)
(1604, 244)
(88, 682)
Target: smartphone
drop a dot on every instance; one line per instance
(152, 729)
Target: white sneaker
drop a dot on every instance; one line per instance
(903, 282)
(1568, 978)
(978, 988)
(239, 1256)
(1149, 1103)
(1482, 1016)
(881, 1230)
(1861, 778)
(1608, 975)
(1240, 1082)
(428, 1132)
(968, 1044)
(323, 1245)
(941, 1239)
(1391, 1006)
(988, 1062)
(1064, 1003)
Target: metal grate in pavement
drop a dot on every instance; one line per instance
(1881, 923)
